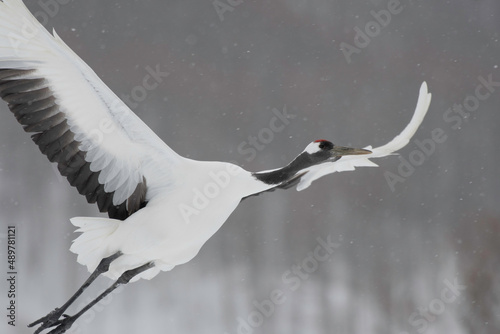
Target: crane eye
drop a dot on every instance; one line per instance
(325, 145)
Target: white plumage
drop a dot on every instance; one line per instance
(170, 230)
(162, 207)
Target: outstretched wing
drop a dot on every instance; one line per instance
(350, 162)
(98, 143)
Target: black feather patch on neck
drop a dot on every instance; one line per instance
(287, 173)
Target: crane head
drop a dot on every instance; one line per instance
(324, 150)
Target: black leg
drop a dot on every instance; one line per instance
(52, 318)
(66, 323)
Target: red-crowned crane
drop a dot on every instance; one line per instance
(116, 161)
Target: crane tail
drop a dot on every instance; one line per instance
(95, 243)
(90, 246)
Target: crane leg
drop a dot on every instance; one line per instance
(64, 324)
(52, 318)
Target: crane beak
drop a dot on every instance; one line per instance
(338, 151)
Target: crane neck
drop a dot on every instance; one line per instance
(285, 174)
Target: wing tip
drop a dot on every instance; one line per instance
(424, 91)
(423, 87)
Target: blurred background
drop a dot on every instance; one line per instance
(416, 241)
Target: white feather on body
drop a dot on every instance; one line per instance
(173, 227)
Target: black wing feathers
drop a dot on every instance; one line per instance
(33, 104)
